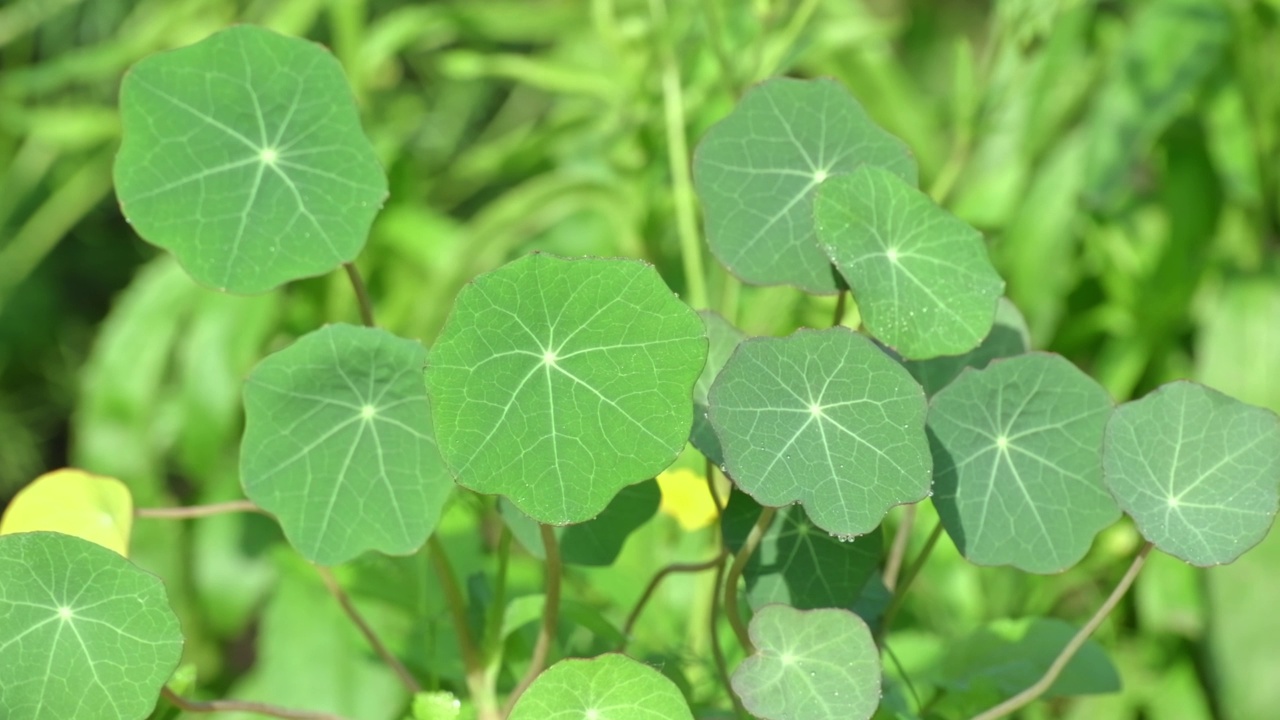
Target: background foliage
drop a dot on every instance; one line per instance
(1122, 158)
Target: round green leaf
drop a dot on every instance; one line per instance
(558, 382)
(338, 444)
(1197, 470)
(810, 665)
(243, 155)
(757, 170)
(723, 339)
(84, 633)
(921, 276)
(608, 687)
(826, 419)
(1009, 336)
(1017, 452)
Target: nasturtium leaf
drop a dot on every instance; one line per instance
(608, 687)
(597, 541)
(243, 155)
(809, 665)
(1017, 452)
(558, 382)
(757, 170)
(84, 633)
(825, 418)
(722, 339)
(798, 563)
(1009, 336)
(922, 278)
(338, 444)
(1196, 469)
(74, 502)
(439, 705)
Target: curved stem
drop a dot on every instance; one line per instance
(657, 580)
(244, 706)
(893, 564)
(550, 615)
(1026, 697)
(493, 623)
(841, 301)
(458, 611)
(335, 589)
(900, 592)
(362, 293)
(197, 511)
(735, 573)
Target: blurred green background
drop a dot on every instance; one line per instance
(1123, 159)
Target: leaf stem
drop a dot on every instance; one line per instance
(717, 652)
(893, 564)
(493, 623)
(908, 577)
(657, 580)
(1025, 697)
(841, 301)
(458, 611)
(735, 573)
(550, 615)
(362, 293)
(335, 589)
(678, 160)
(243, 706)
(197, 511)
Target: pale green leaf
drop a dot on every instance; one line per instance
(608, 687)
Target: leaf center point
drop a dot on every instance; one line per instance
(269, 155)
(1002, 442)
(65, 613)
(368, 412)
(549, 357)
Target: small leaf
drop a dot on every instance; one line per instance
(757, 170)
(798, 563)
(826, 419)
(1017, 450)
(243, 155)
(921, 276)
(73, 502)
(338, 445)
(810, 664)
(595, 542)
(1008, 337)
(84, 633)
(436, 706)
(559, 382)
(723, 339)
(608, 687)
(1197, 470)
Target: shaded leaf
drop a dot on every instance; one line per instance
(723, 339)
(1008, 337)
(608, 687)
(597, 541)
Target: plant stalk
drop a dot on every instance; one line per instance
(458, 611)
(657, 580)
(735, 573)
(242, 706)
(362, 293)
(550, 615)
(900, 592)
(331, 583)
(197, 511)
(893, 564)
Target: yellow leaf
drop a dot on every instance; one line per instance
(73, 502)
(686, 497)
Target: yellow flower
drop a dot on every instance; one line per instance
(686, 497)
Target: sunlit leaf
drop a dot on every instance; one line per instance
(811, 664)
(597, 541)
(757, 170)
(1199, 471)
(74, 502)
(608, 687)
(84, 633)
(559, 382)
(338, 445)
(1017, 450)
(1008, 337)
(243, 155)
(826, 419)
(723, 339)
(921, 276)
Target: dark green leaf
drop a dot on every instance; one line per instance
(1008, 337)
(595, 542)
(723, 339)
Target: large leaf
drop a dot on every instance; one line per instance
(243, 155)
(84, 633)
(1008, 337)
(597, 541)
(1017, 449)
(559, 382)
(798, 563)
(608, 687)
(722, 339)
(1198, 471)
(338, 444)
(74, 502)
(810, 665)
(757, 170)
(921, 276)
(826, 419)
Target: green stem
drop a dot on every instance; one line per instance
(550, 615)
(242, 706)
(331, 584)
(656, 581)
(735, 574)
(900, 592)
(493, 623)
(678, 160)
(715, 29)
(458, 612)
(893, 564)
(197, 511)
(841, 301)
(1050, 676)
(362, 293)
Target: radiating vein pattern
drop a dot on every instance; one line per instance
(826, 419)
(1017, 452)
(1196, 469)
(757, 170)
(244, 156)
(558, 382)
(338, 444)
(84, 633)
(921, 276)
(608, 687)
